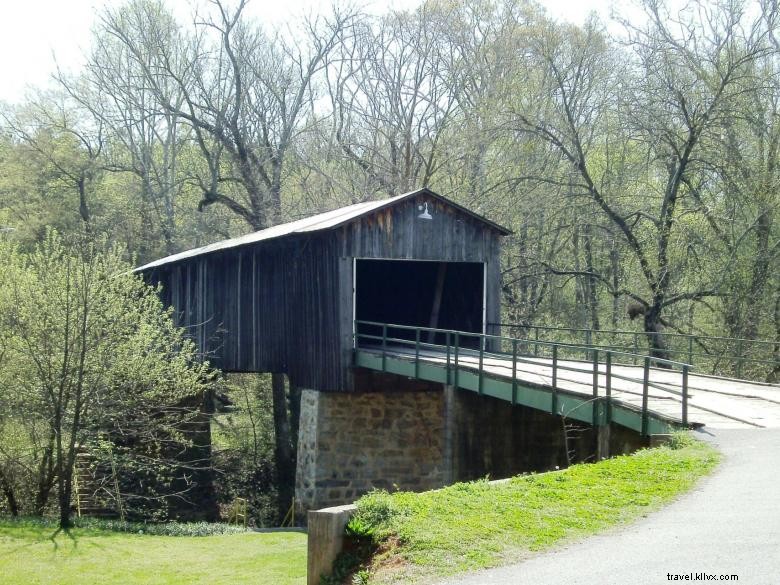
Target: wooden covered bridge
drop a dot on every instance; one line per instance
(381, 311)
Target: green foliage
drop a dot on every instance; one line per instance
(243, 448)
(358, 528)
(90, 357)
(681, 440)
(377, 511)
(477, 524)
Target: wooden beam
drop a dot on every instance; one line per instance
(437, 295)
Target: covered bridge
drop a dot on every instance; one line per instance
(288, 299)
(285, 299)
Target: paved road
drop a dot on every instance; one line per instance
(729, 524)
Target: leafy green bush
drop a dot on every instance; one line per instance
(375, 512)
(680, 440)
(163, 528)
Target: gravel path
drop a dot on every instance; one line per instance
(728, 525)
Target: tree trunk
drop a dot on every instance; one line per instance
(654, 332)
(283, 451)
(295, 415)
(84, 211)
(615, 269)
(10, 495)
(774, 375)
(759, 277)
(579, 283)
(45, 481)
(65, 493)
(593, 303)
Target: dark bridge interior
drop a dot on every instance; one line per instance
(441, 295)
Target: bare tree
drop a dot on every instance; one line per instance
(62, 135)
(683, 79)
(245, 95)
(147, 139)
(390, 101)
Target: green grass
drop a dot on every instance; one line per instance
(476, 525)
(96, 556)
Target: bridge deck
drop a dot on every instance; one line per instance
(714, 402)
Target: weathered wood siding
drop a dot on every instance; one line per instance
(398, 233)
(268, 307)
(285, 305)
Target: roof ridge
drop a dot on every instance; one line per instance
(313, 223)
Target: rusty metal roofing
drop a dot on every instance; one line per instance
(315, 223)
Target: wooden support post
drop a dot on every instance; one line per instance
(437, 295)
(602, 442)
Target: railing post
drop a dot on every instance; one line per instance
(417, 352)
(481, 360)
(636, 347)
(457, 368)
(514, 372)
(609, 387)
(645, 392)
(554, 398)
(740, 361)
(690, 349)
(594, 409)
(447, 336)
(384, 347)
(685, 396)
(588, 337)
(536, 340)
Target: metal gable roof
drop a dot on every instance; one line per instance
(315, 223)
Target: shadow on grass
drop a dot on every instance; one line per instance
(29, 532)
(68, 532)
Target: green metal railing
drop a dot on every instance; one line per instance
(462, 351)
(751, 359)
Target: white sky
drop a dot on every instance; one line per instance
(34, 32)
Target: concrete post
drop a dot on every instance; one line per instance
(326, 539)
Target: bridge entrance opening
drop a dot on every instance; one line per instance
(439, 295)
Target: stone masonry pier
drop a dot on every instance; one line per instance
(399, 434)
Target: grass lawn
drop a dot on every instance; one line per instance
(29, 557)
(476, 525)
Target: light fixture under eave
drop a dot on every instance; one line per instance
(424, 214)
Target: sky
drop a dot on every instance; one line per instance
(36, 34)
